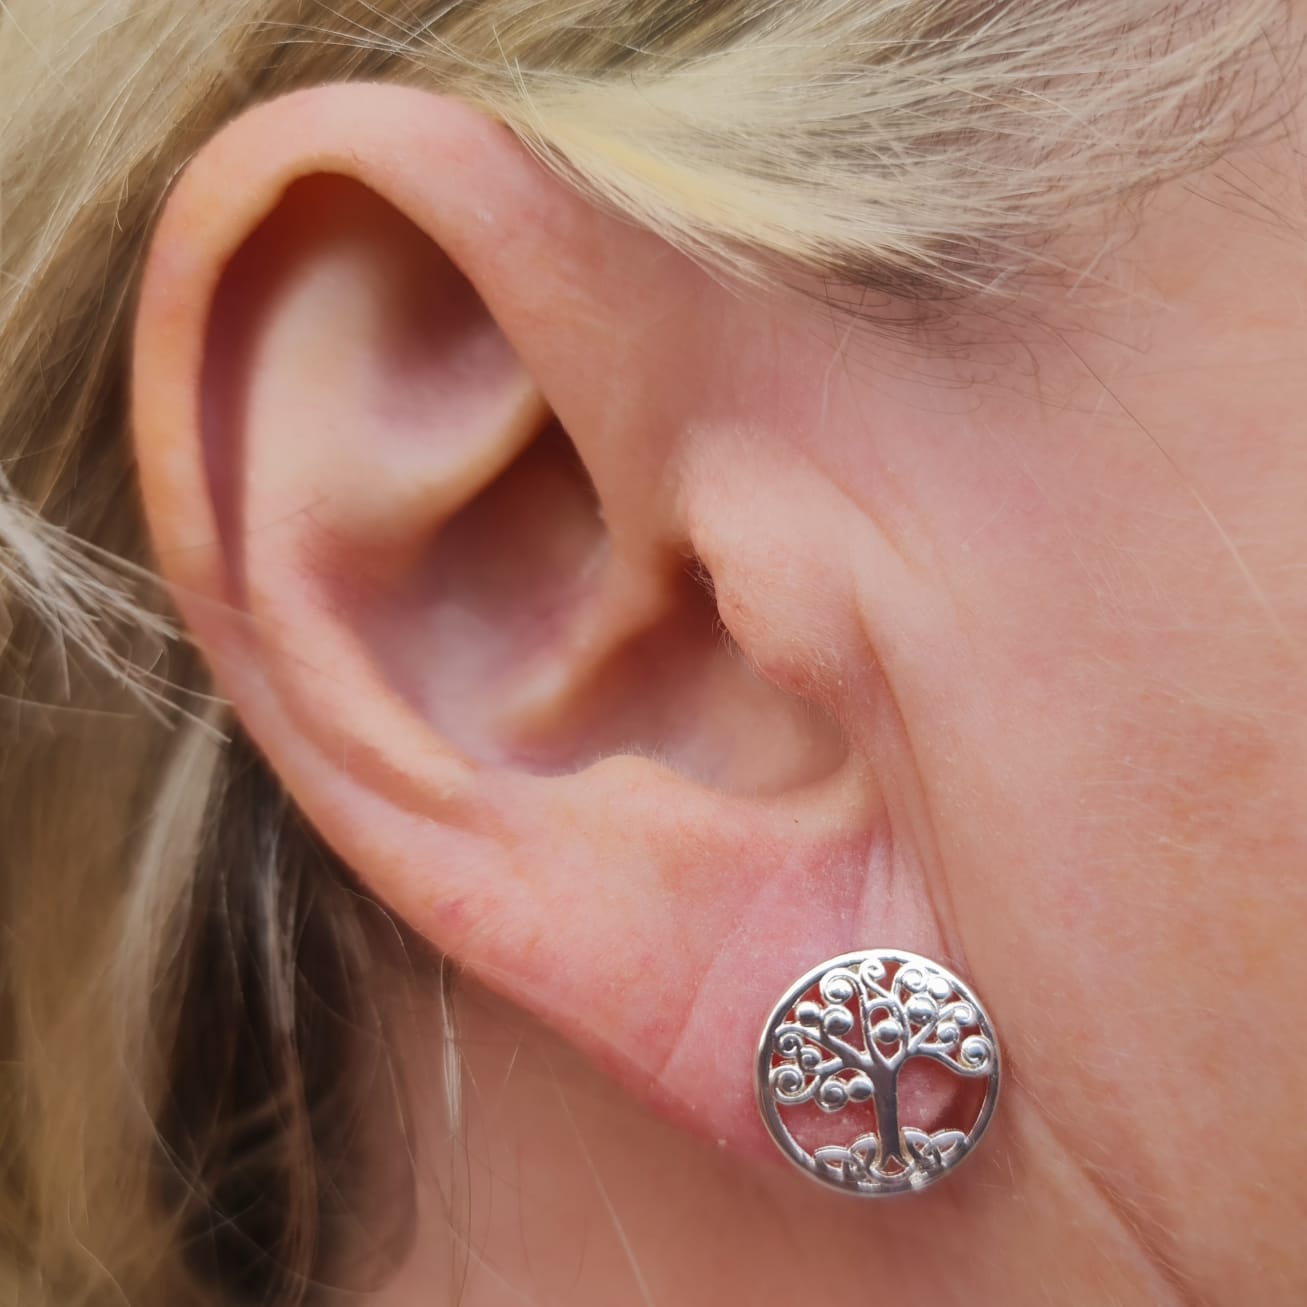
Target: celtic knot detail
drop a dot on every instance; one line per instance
(841, 1036)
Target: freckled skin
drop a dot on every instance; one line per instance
(1055, 607)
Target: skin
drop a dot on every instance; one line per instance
(1014, 679)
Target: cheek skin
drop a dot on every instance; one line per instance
(1079, 590)
(1086, 587)
(1096, 647)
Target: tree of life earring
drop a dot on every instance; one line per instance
(831, 1065)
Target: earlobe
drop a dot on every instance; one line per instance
(412, 470)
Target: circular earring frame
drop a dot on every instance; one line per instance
(840, 1035)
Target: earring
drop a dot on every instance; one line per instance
(838, 1041)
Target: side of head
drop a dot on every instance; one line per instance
(639, 626)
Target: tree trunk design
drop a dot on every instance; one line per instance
(886, 1103)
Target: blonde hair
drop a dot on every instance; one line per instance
(185, 970)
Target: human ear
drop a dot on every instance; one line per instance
(425, 443)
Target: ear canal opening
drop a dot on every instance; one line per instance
(512, 639)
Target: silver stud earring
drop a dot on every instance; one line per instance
(833, 1050)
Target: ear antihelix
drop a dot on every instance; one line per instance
(351, 366)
